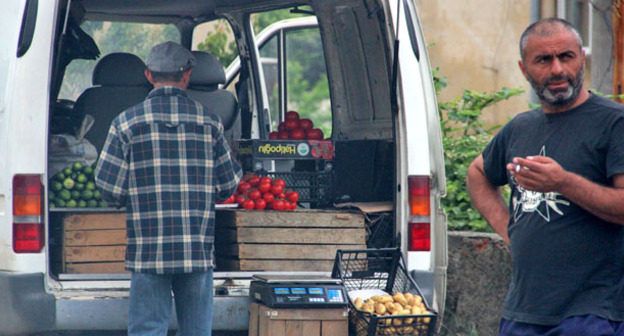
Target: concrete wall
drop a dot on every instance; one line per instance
(479, 272)
(476, 48)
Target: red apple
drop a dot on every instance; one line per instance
(306, 124)
(291, 115)
(297, 134)
(291, 124)
(315, 134)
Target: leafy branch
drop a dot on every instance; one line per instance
(464, 137)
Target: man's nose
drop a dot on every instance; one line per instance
(556, 68)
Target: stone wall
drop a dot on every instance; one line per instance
(478, 276)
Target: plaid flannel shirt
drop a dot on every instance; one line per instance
(168, 162)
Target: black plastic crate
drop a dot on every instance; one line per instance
(381, 269)
(313, 187)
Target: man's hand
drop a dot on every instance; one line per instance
(537, 173)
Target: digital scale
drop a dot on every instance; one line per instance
(285, 291)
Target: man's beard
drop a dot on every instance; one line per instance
(559, 97)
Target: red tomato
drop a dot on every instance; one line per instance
(315, 134)
(278, 205)
(264, 187)
(249, 204)
(260, 204)
(291, 124)
(291, 115)
(273, 135)
(306, 124)
(277, 189)
(265, 179)
(293, 205)
(268, 197)
(283, 135)
(293, 197)
(280, 182)
(297, 134)
(239, 199)
(230, 200)
(255, 194)
(243, 187)
(281, 196)
(254, 181)
(281, 127)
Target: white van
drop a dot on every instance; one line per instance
(379, 111)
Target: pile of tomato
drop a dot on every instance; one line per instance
(295, 128)
(263, 193)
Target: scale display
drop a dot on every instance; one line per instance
(285, 292)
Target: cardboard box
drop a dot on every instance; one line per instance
(265, 321)
(300, 240)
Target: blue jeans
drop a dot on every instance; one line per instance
(586, 325)
(150, 303)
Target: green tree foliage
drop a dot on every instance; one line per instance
(464, 137)
(220, 43)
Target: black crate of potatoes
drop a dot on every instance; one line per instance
(383, 269)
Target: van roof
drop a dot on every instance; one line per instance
(166, 11)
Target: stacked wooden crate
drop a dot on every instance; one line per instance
(301, 240)
(94, 243)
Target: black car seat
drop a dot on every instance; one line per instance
(203, 87)
(119, 82)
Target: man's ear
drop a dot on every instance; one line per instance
(148, 75)
(522, 67)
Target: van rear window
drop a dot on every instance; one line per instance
(134, 38)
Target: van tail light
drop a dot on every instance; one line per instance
(419, 226)
(28, 230)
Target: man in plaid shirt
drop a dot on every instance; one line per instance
(167, 161)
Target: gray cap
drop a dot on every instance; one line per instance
(170, 57)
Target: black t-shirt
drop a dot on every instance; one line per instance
(566, 261)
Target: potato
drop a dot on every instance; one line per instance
(386, 298)
(397, 306)
(390, 331)
(416, 310)
(407, 330)
(380, 308)
(400, 298)
(376, 298)
(390, 307)
(368, 308)
(358, 303)
(397, 321)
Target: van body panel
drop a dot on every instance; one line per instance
(357, 41)
(26, 307)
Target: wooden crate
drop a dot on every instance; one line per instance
(94, 243)
(265, 321)
(301, 240)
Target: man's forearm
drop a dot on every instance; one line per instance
(487, 199)
(604, 202)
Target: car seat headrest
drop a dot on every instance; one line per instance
(120, 69)
(208, 72)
